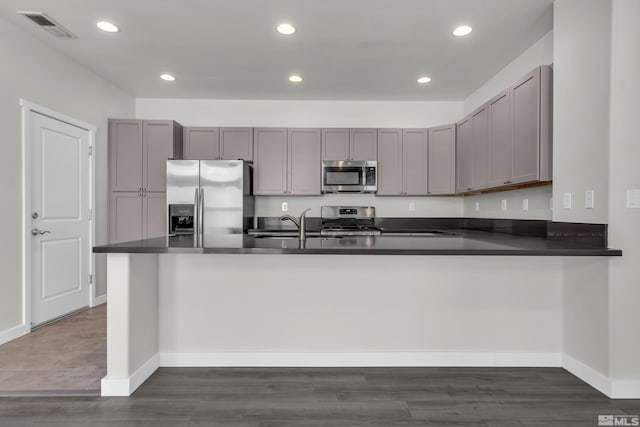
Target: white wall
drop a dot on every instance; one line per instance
(209, 112)
(366, 303)
(35, 72)
(624, 173)
(540, 53)
(581, 57)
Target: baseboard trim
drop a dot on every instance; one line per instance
(587, 374)
(126, 386)
(625, 389)
(13, 333)
(368, 359)
(100, 300)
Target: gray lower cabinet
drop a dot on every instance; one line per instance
(402, 162)
(212, 143)
(137, 215)
(287, 161)
(138, 153)
(442, 160)
(349, 144)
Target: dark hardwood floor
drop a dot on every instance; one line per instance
(261, 397)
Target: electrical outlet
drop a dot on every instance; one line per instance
(504, 204)
(477, 206)
(588, 199)
(285, 206)
(525, 204)
(566, 200)
(412, 206)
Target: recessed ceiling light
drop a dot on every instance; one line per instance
(424, 79)
(462, 30)
(286, 29)
(108, 27)
(167, 77)
(295, 79)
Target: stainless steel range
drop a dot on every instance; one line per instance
(348, 221)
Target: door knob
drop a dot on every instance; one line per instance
(35, 231)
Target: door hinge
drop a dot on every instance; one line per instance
(90, 278)
(90, 214)
(91, 150)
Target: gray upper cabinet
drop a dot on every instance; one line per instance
(201, 143)
(211, 143)
(480, 144)
(270, 161)
(287, 161)
(236, 143)
(335, 144)
(402, 162)
(349, 144)
(501, 139)
(442, 160)
(415, 152)
(390, 162)
(532, 131)
(464, 155)
(304, 161)
(363, 144)
(125, 155)
(162, 140)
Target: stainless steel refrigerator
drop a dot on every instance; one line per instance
(209, 197)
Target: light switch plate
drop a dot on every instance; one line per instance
(633, 199)
(525, 204)
(504, 204)
(566, 200)
(588, 199)
(477, 206)
(285, 206)
(412, 206)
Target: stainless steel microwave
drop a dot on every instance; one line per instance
(349, 176)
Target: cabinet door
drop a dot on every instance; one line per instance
(442, 160)
(125, 155)
(415, 151)
(464, 158)
(363, 144)
(480, 170)
(304, 161)
(201, 143)
(154, 215)
(125, 219)
(157, 147)
(389, 162)
(236, 143)
(501, 140)
(526, 127)
(335, 144)
(270, 161)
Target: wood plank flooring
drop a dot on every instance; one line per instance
(65, 357)
(270, 397)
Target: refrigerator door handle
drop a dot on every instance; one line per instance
(196, 219)
(201, 213)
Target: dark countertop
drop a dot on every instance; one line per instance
(460, 242)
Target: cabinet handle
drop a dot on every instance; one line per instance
(507, 182)
(144, 195)
(469, 188)
(139, 195)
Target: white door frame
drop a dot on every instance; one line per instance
(27, 108)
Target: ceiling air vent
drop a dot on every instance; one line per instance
(49, 25)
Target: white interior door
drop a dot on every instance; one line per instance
(60, 215)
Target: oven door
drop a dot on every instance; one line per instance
(349, 177)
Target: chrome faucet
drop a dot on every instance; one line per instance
(299, 222)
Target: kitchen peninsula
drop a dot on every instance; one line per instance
(242, 300)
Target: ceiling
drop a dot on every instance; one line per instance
(344, 49)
